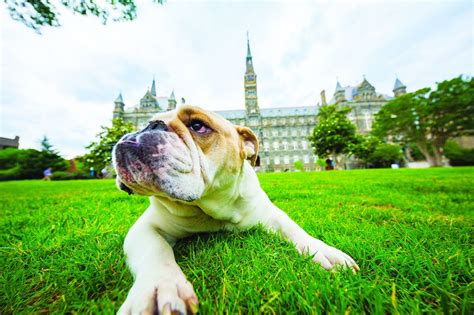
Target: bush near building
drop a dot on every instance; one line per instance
(457, 155)
(28, 163)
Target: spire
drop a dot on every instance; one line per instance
(398, 84)
(249, 54)
(172, 101)
(153, 88)
(399, 88)
(249, 63)
(119, 98)
(340, 93)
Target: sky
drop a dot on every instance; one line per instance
(62, 83)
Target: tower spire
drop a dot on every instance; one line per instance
(153, 87)
(249, 54)
(249, 62)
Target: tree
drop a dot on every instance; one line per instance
(385, 154)
(363, 147)
(38, 13)
(100, 154)
(429, 118)
(28, 163)
(51, 157)
(334, 132)
(299, 166)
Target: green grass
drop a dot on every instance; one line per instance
(410, 231)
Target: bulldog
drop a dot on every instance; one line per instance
(197, 169)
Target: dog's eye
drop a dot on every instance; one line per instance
(199, 127)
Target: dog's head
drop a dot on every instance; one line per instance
(183, 154)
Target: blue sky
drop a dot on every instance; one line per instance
(62, 83)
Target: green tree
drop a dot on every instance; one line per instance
(28, 163)
(299, 166)
(51, 157)
(385, 154)
(334, 133)
(429, 118)
(46, 146)
(457, 155)
(100, 154)
(363, 147)
(38, 13)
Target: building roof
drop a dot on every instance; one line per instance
(153, 88)
(232, 114)
(339, 87)
(273, 112)
(398, 85)
(119, 98)
(7, 142)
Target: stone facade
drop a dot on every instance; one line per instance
(9, 143)
(282, 132)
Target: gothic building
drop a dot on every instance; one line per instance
(364, 101)
(282, 132)
(149, 104)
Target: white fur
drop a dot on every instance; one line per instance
(239, 203)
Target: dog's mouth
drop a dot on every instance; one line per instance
(148, 162)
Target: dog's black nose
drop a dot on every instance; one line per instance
(156, 125)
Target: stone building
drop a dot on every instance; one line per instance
(282, 132)
(364, 101)
(9, 143)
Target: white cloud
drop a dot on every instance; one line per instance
(63, 83)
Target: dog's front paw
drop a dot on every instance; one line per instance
(328, 257)
(160, 296)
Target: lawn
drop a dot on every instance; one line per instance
(410, 231)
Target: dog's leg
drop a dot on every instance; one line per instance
(160, 287)
(328, 257)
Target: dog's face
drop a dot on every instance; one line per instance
(183, 154)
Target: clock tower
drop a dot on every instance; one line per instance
(250, 85)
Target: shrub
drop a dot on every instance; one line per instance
(386, 154)
(299, 166)
(457, 155)
(28, 164)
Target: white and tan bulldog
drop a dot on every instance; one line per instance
(197, 169)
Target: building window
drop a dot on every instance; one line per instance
(368, 121)
(306, 158)
(293, 132)
(267, 161)
(266, 146)
(286, 159)
(275, 132)
(285, 145)
(305, 144)
(277, 160)
(275, 145)
(295, 158)
(295, 145)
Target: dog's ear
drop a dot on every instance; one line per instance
(248, 144)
